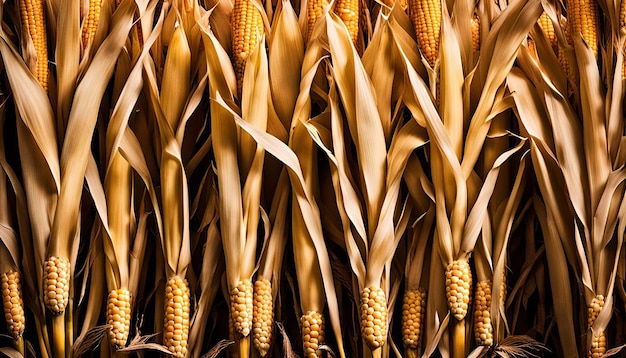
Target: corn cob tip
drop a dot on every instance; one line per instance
(13, 303)
(118, 317)
(598, 346)
(413, 309)
(313, 333)
(458, 288)
(56, 284)
(483, 329)
(241, 307)
(177, 313)
(374, 316)
(263, 316)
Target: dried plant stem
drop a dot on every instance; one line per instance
(244, 346)
(412, 353)
(19, 345)
(458, 339)
(69, 328)
(58, 335)
(377, 352)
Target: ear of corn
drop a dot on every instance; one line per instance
(263, 316)
(348, 11)
(582, 17)
(458, 287)
(247, 29)
(90, 24)
(56, 284)
(483, 330)
(374, 316)
(315, 9)
(34, 21)
(118, 317)
(413, 310)
(548, 29)
(177, 313)
(598, 340)
(426, 18)
(13, 303)
(241, 307)
(475, 33)
(313, 332)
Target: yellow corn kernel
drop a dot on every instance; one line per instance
(118, 317)
(263, 316)
(582, 16)
(90, 24)
(34, 20)
(13, 303)
(374, 316)
(426, 18)
(348, 11)
(241, 307)
(312, 333)
(458, 288)
(247, 29)
(413, 309)
(483, 329)
(177, 313)
(56, 284)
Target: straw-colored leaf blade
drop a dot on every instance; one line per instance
(286, 53)
(359, 102)
(176, 82)
(559, 280)
(67, 54)
(33, 106)
(594, 123)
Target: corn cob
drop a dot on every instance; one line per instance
(598, 341)
(548, 29)
(90, 24)
(34, 20)
(177, 312)
(247, 29)
(13, 303)
(312, 333)
(374, 316)
(426, 18)
(483, 329)
(598, 346)
(583, 18)
(118, 317)
(241, 303)
(315, 8)
(475, 33)
(458, 288)
(413, 308)
(263, 316)
(348, 11)
(56, 284)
